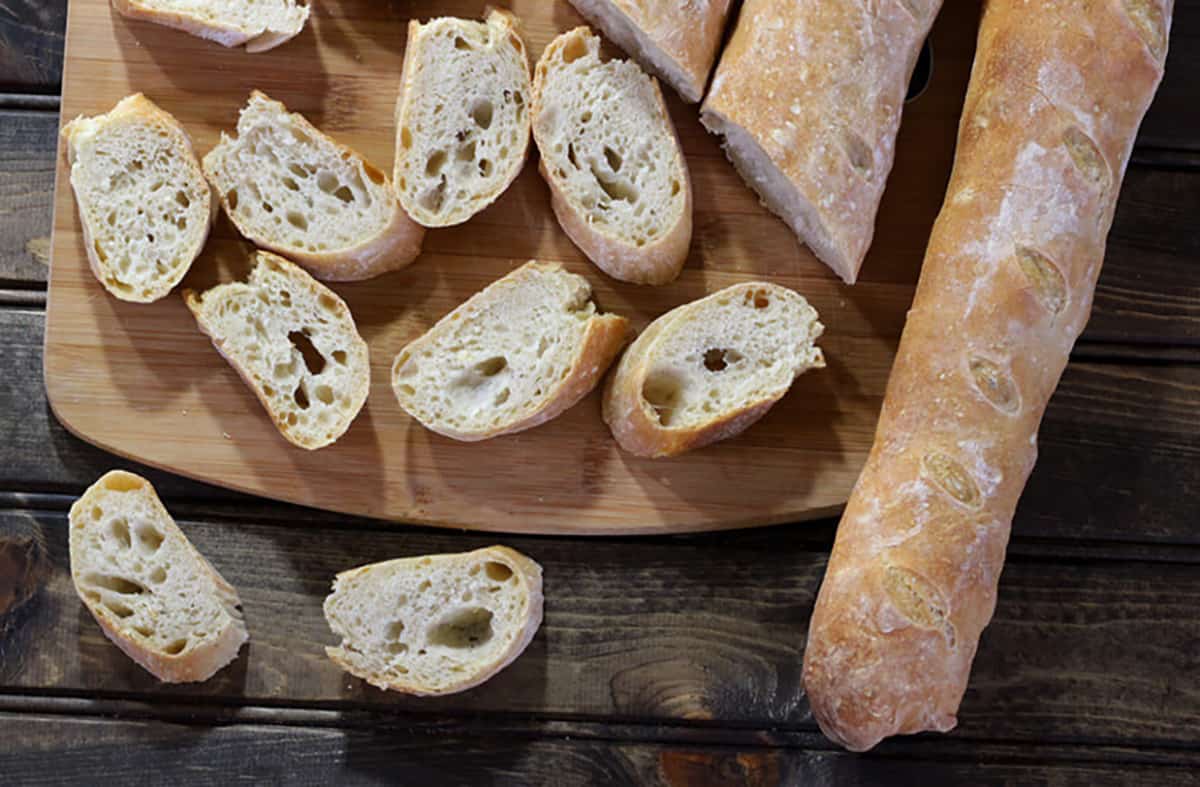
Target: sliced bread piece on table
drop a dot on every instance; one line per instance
(808, 97)
(676, 40)
(438, 624)
(294, 342)
(517, 354)
(152, 593)
(709, 369)
(260, 25)
(144, 205)
(618, 182)
(463, 116)
(289, 188)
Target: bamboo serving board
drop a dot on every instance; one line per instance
(142, 382)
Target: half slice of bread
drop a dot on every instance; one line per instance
(463, 116)
(144, 205)
(514, 356)
(676, 40)
(618, 181)
(438, 624)
(295, 343)
(289, 188)
(709, 369)
(260, 25)
(152, 593)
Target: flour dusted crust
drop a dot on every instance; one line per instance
(676, 40)
(1057, 93)
(808, 96)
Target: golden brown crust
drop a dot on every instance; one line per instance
(1050, 118)
(656, 263)
(820, 86)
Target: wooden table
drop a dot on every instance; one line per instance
(671, 660)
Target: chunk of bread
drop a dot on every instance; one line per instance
(676, 40)
(294, 342)
(152, 593)
(289, 188)
(259, 25)
(709, 369)
(463, 116)
(144, 205)
(517, 354)
(438, 624)
(618, 182)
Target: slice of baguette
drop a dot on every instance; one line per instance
(676, 40)
(152, 593)
(294, 342)
(463, 119)
(438, 624)
(289, 188)
(709, 369)
(618, 181)
(260, 25)
(144, 205)
(516, 355)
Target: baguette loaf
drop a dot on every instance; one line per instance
(676, 40)
(463, 116)
(1056, 96)
(516, 355)
(294, 342)
(144, 205)
(438, 624)
(709, 369)
(618, 182)
(808, 97)
(152, 593)
(260, 25)
(289, 188)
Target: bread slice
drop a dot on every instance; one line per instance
(676, 40)
(463, 116)
(514, 356)
(144, 205)
(294, 342)
(618, 181)
(709, 369)
(152, 593)
(289, 188)
(438, 624)
(259, 25)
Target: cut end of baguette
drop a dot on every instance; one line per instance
(294, 342)
(152, 593)
(144, 205)
(780, 196)
(291, 189)
(708, 370)
(259, 25)
(438, 624)
(617, 176)
(514, 356)
(463, 117)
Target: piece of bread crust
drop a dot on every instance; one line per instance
(138, 574)
(484, 611)
(349, 226)
(513, 386)
(654, 248)
(653, 401)
(256, 35)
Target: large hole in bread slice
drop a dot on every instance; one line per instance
(481, 113)
(468, 628)
(120, 585)
(313, 359)
(718, 360)
(662, 391)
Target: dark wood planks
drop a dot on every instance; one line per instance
(27, 147)
(705, 631)
(31, 45)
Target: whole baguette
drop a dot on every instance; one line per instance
(808, 96)
(1057, 92)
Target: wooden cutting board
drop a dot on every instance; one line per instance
(142, 382)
